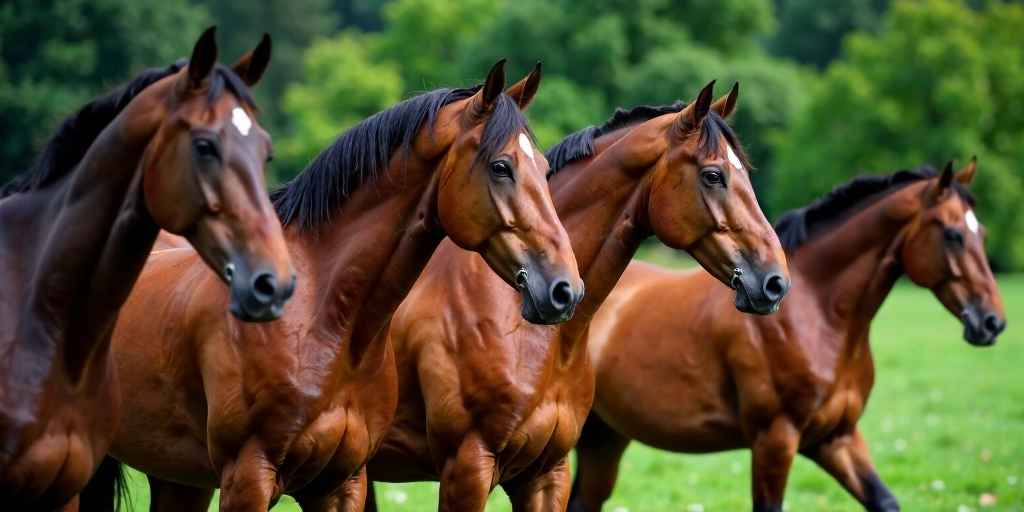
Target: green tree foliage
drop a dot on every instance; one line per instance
(940, 81)
(811, 31)
(57, 54)
(341, 85)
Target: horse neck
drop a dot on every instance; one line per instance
(371, 254)
(853, 268)
(602, 204)
(100, 235)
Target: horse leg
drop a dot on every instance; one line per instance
(847, 459)
(371, 497)
(167, 496)
(772, 451)
(248, 483)
(467, 480)
(598, 453)
(350, 496)
(547, 492)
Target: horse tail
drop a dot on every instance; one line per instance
(106, 490)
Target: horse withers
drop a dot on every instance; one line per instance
(175, 149)
(677, 371)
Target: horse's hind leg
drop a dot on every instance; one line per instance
(547, 493)
(847, 459)
(598, 453)
(167, 496)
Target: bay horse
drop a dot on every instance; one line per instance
(298, 406)
(676, 371)
(174, 149)
(487, 399)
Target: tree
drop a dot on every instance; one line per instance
(341, 85)
(811, 31)
(55, 55)
(939, 81)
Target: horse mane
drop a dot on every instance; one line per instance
(363, 151)
(801, 225)
(580, 145)
(77, 132)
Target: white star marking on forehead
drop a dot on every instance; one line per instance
(524, 142)
(733, 159)
(971, 221)
(241, 121)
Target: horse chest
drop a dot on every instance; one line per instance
(542, 440)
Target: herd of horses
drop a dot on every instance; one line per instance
(412, 305)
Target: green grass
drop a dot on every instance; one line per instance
(945, 424)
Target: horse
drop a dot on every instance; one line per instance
(298, 406)
(175, 149)
(678, 372)
(487, 399)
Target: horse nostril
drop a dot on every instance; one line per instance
(991, 324)
(774, 287)
(264, 287)
(561, 294)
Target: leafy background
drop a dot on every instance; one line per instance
(830, 88)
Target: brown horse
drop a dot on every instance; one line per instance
(677, 371)
(176, 149)
(487, 399)
(298, 406)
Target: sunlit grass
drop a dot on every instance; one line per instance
(945, 424)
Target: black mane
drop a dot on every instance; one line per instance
(580, 145)
(362, 152)
(798, 226)
(73, 137)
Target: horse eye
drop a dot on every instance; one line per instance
(205, 149)
(713, 179)
(953, 237)
(501, 169)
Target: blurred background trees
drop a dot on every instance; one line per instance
(829, 88)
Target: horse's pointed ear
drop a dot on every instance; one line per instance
(945, 179)
(252, 66)
(726, 105)
(966, 175)
(524, 90)
(204, 58)
(694, 113)
(488, 95)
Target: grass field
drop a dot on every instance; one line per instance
(945, 424)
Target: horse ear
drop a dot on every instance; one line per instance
(524, 90)
(945, 179)
(252, 66)
(486, 98)
(694, 113)
(966, 175)
(726, 105)
(204, 58)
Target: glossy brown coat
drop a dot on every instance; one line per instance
(298, 406)
(487, 399)
(679, 371)
(73, 245)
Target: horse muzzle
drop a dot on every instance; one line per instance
(759, 296)
(547, 302)
(258, 296)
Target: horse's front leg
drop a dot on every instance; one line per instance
(324, 496)
(467, 479)
(772, 452)
(847, 459)
(249, 482)
(547, 492)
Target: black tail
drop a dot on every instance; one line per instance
(106, 491)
